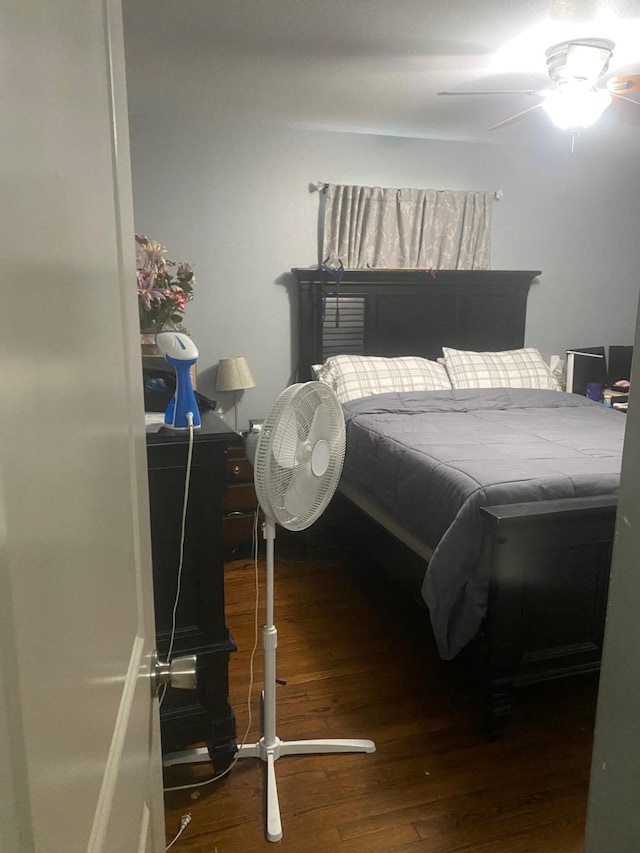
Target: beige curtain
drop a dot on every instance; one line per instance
(367, 227)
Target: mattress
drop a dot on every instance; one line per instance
(430, 460)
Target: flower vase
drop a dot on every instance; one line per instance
(148, 344)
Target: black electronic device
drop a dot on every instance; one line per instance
(584, 366)
(620, 358)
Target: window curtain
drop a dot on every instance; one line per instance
(368, 227)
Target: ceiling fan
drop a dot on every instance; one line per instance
(576, 101)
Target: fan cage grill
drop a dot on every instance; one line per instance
(287, 489)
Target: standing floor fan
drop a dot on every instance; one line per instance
(297, 460)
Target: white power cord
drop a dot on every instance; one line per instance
(181, 558)
(251, 670)
(185, 820)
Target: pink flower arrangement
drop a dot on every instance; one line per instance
(162, 296)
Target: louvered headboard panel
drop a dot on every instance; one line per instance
(409, 312)
(342, 326)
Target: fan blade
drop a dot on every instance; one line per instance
(321, 424)
(514, 118)
(622, 111)
(496, 92)
(627, 84)
(285, 451)
(302, 492)
(624, 98)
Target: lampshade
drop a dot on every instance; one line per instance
(234, 375)
(574, 107)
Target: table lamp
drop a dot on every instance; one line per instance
(234, 375)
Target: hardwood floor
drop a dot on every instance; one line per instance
(358, 664)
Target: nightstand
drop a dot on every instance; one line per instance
(188, 717)
(239, 503)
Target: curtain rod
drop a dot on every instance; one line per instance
(319, 186)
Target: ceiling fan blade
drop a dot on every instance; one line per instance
(624, 112)
(620, 97)
(627, 84)
(496, 92)
(514, 118)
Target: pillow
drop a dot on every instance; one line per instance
(352, 376)
(518, 368)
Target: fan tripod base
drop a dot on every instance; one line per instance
(270, 748)
(270, 754)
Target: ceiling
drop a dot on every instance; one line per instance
(371, 66)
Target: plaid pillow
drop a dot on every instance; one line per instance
(518, 368)
(352, 376)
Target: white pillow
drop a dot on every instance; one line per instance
(518, 368)
(352, 376)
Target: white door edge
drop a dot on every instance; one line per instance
(110, 779)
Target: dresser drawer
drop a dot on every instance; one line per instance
(239, 502)
(237, 528)
(238, 468)
(239, 497)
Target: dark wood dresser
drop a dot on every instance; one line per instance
(239, 503)
(204, 715)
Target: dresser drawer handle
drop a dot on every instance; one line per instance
(236, 469)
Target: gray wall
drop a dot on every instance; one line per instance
(232, 197)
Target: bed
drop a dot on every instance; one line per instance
(501, 500)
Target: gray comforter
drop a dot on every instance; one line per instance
(431, 460)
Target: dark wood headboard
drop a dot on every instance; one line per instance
(409, 312)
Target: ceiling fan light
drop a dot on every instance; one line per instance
(573, 109)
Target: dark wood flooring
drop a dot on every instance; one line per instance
(359, 663)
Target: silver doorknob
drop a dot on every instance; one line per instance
(179, 673)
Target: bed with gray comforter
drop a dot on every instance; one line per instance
(431, 460)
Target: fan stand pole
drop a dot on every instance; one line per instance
(269, 748)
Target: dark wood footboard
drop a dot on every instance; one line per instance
(547, 598)
(549, 576)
